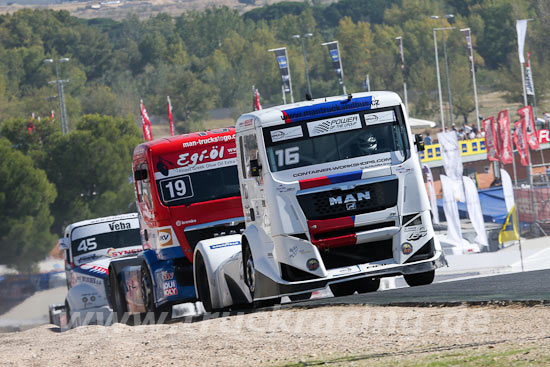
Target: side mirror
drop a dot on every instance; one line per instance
(64, 243)
(140, 174)
(255, 168)
(419, 142)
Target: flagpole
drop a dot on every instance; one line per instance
(513, 155)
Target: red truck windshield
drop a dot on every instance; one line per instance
(199, 186)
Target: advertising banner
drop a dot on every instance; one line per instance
(451, 211)
(521, 28)
(474, 211)
(145, 122)
(170, 118)
(334, 52)
(506, 152)
(452, 161)
(490, 139)
(526, 113)
(282, 61)
(520, 140)
(431, 193)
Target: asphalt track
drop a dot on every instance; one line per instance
(529, 287)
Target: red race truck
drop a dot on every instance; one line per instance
(187, 189)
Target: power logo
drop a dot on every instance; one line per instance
(165, 237)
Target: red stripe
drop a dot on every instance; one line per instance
(318, 227)
(314, 182)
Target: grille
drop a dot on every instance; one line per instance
(316, 206)
(357, 254)
(193, 237)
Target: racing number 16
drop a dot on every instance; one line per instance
(288, 156)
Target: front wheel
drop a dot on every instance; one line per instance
(118, 297)
(300, 297)
(367, 285)
(414, 280)
(203, 287)
(342, 289)
(250, 280)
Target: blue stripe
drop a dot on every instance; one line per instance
(345, 177)
(328, 109)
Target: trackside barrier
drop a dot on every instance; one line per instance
(534, 200)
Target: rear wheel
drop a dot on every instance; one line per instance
(118, 297)
(148, 293)
(203, 287)
(414, 280)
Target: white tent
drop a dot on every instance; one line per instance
(420, 123)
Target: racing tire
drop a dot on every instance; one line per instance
(249, 272)
(148, 293)
(203, 287)
(343, 289)
(367, 285)
(414, 280)
(300, 297)
(118, 297)
(50, 314)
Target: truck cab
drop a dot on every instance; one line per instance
(332, 194)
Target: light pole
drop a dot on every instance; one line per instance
(297, 36)
(400, 39)
(447, 16)
(60, 93)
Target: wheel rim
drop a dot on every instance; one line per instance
(250, 275)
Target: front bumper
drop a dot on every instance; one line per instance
(269, 288)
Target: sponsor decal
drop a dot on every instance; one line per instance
(113, 252)
(165, 237)
(347, 270)
(87, 258)
(118, 226)
(286, 134)
(417, 232)
(406, 248)
(333, 125)
(167, 275)
(180, 223)
(226, 244)
(349, 199)
(379, 117)
(293, 251)
(170, 288)
(355, 165)
(85, 279)
(312, 264)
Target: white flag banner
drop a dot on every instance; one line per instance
(474, 211)
(431, 194)
(521, 28)
(450, 208)
(452, 162)
(508, 190)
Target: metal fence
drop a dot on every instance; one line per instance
(533, 205)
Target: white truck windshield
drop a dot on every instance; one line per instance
(338, 138)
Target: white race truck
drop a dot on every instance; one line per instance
(90, 246)
(332, 194)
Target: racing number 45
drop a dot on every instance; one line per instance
(88, 244)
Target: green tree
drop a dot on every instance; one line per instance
(25, 218)
(91, 168)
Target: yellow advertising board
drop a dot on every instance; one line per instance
(467, 147)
